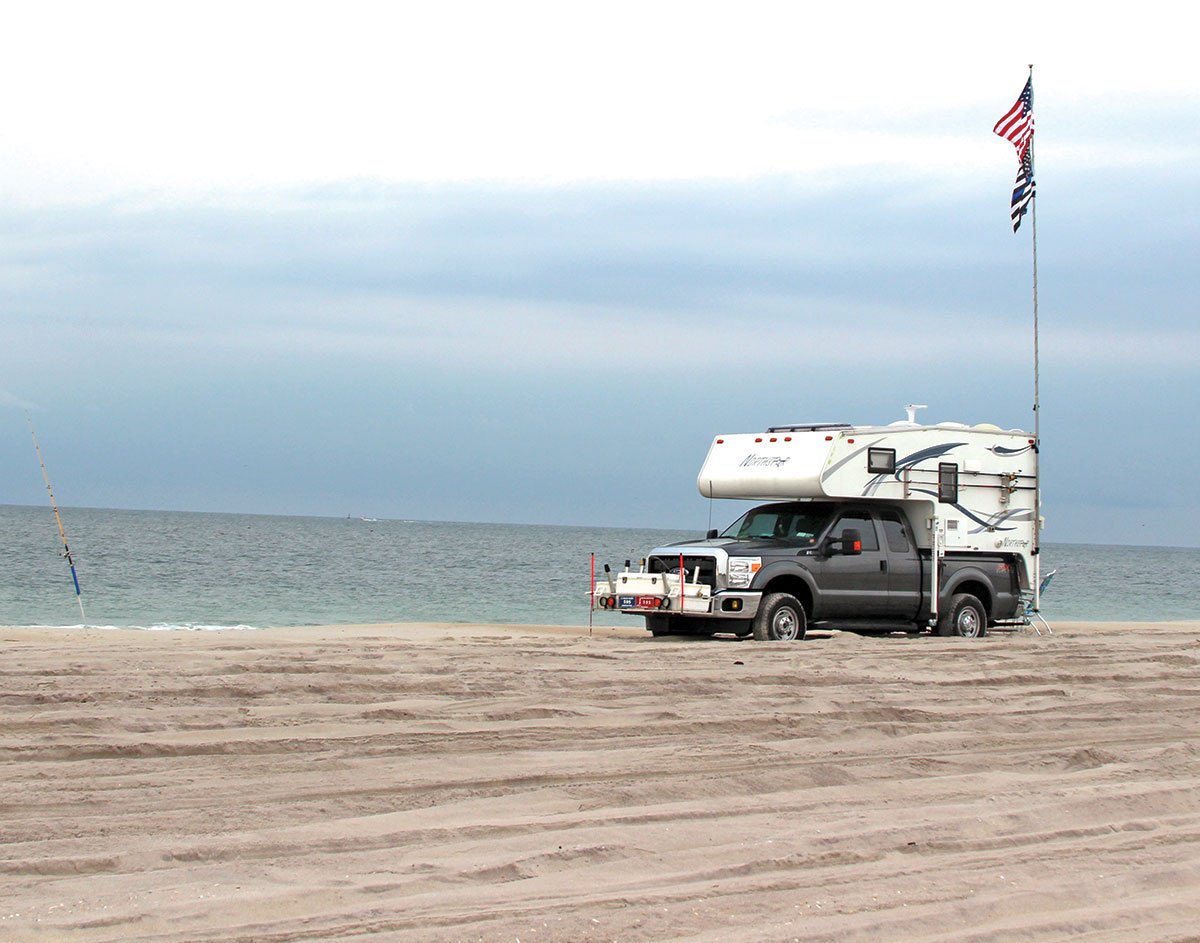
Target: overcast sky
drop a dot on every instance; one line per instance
(521, 262)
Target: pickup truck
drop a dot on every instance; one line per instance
(784, 566)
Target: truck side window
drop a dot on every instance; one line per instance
(894, 530)
(861, 522)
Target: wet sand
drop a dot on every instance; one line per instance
(437, 782)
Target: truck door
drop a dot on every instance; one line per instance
(855, 587)
(904, 566)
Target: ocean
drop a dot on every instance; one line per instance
(188, 570)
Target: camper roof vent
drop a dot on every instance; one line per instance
(810, 427)
(911, 409)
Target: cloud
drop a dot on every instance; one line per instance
(143, 98)
(565, 353)
(11, 401)
(468, 272)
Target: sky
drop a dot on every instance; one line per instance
(521, 262)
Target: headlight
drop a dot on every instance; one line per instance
(742, 570)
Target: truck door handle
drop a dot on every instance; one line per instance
(883, 566)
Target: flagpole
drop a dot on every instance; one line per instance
(1037, 406)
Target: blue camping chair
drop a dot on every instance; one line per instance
(1031, 615)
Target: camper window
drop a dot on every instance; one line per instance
(947, 483)
(881, 461)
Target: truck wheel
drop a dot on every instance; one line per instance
(780, 618)
(658, 625)
(964, 617)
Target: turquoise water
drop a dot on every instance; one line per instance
(157, 569)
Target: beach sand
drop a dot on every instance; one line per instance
(464, 782)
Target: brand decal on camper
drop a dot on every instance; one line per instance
(763, 461)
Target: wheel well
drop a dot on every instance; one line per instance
(980, 591)
(793, 586)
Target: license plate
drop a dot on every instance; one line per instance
(627, 602)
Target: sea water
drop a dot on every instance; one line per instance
(160, 569)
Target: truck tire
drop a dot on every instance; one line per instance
(658, 625)
(780, 618)
(964, 616)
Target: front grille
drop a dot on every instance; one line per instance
(707, 565)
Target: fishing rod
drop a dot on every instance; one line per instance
(58, 519)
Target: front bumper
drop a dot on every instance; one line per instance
(635, 599)
(735, 604)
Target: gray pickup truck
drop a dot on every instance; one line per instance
(782, 567)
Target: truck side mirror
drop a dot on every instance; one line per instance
(711, 535)
(849, 544)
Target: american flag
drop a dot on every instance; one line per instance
(1023, 190)
(1017, 126)
(1017, 123)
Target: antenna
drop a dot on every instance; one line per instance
(911, 409)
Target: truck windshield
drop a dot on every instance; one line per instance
(797, 525)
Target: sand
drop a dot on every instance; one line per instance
(515, 783)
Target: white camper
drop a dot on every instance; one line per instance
(926, 524)
(963, 488)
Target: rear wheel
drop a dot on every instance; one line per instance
(659, 625)
(780, 618)
(964, 617)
